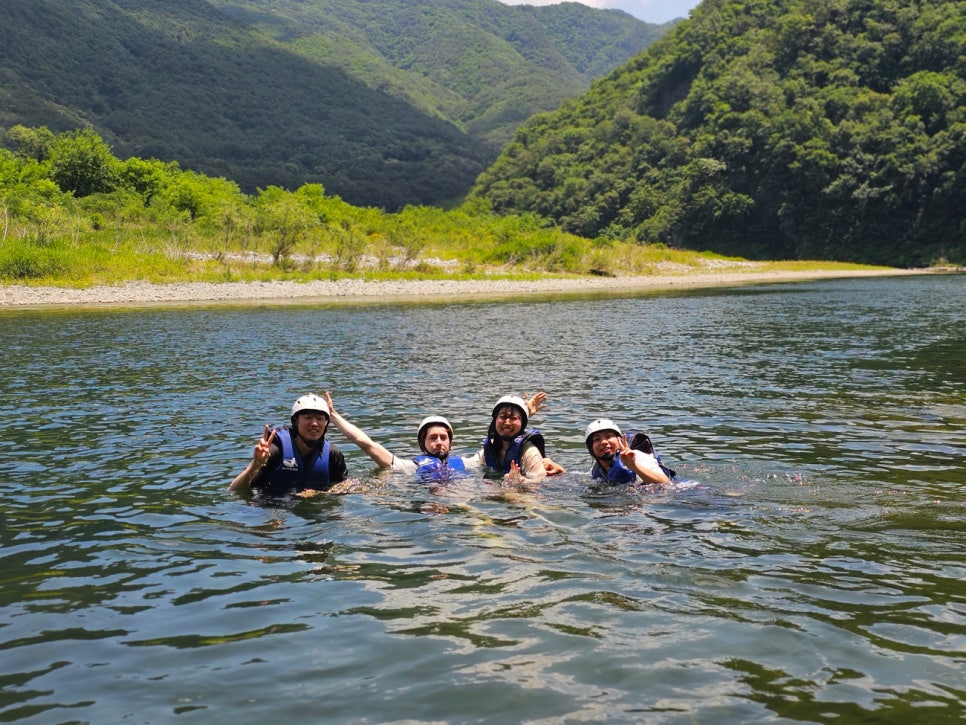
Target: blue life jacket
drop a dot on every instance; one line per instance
(430, 468)
(514, 451)
(617, 473)
(295, 474)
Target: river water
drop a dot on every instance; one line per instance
(809, 567)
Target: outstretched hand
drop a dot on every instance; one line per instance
(552, 467)
(328, 401)
(260, 456)
(536, 403)
(515, 475)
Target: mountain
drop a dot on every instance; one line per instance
(384, 102)
(831, 129)
(481, 64)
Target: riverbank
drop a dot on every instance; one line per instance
(357, 290)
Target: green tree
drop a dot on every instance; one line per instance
(191, 192)
(148, 177)
(81, 162)
(31, 143)
(26, 191)
(285, 218)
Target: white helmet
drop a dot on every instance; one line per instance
(431, 420)
(310, 402)
(516, 401)
(597, 425)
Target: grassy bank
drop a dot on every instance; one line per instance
(481, 248)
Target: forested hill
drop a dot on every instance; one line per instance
(384, 102)
(830, 129)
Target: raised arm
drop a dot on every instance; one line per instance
(376, 452)
(534, 405)
(263, 450)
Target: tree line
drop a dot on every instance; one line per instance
(72, 211)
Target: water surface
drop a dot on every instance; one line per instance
(811, 570)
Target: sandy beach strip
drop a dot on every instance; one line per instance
(357, 290)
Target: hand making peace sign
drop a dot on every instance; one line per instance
(625, 451)
(263, 449)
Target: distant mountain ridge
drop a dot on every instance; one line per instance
(384, 102)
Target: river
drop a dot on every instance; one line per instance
(809, 566)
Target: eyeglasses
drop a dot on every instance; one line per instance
(509, 416)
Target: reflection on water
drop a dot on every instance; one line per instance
(810, 569)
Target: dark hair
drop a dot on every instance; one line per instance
(424, 431)
(491, 435)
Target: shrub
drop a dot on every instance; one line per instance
(22, 260)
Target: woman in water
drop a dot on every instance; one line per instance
(519, 453)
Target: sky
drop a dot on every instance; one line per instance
(650, 11)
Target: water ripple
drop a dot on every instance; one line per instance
(808, 568)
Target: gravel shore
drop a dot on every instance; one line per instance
(354, 290)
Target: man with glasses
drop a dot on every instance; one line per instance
(295, 459)
(617, 461)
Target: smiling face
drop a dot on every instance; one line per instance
(508, 420)
(604, 444)
(436, 441)
(310, 425)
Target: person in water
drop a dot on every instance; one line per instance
(616, 461)
(512, 449)
(435, 439)
(296, 459)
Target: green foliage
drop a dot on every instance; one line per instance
(160, 222)
(82, 163)
(197, 195)
(25, 260)
(349, 248)
(800, 129)
(554, 253)
(285, 219)
(25, 186)
(407, 235)
(147, 177)
(574, 30)
(387, 102)
(31, 143)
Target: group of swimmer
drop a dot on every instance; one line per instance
(297, 459)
